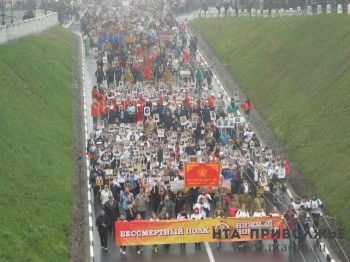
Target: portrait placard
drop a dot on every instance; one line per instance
(183, 157)
(251, 144)
(173, 137)
(220, 123)
(202, 144)
(224, 163)
(257, 151)
(212, 115)
(231, 164)
(99, 180)
(263, 181)
(226, 123)
(161, 132)
(194, 125)
(136, 153)
(119, 100)
(281, 173)
(231, 123)
(183, 120)
(147, 111)
(230, 116)
(236, 154)
(194, 118)
(192, 141)
(178, 100)
(242, 161)
(268, 153)
(166, 153)
(108, 172)
(100, 124)
(139, 125)
(156, 118)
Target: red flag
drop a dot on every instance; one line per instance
(147, 68)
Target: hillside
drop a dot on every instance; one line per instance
(36, 143)
(296, 72)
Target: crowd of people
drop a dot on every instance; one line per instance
(154, 108)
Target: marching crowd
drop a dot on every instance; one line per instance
(154, 107)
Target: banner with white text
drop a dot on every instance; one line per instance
(201, 230)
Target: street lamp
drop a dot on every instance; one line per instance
(11, 13)
(2, 13)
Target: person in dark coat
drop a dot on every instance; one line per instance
(100, 76)
(167, 120)
(118, 73)
(157, 194)
(193, 196)
(180, 202)
(112, 211)
(103, 222)
(110, 76)
(206, 113)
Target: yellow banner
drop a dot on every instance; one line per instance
(201, 230)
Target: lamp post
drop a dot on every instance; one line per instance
(11, 13)
(2, 13)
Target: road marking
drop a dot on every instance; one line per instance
(210, 254)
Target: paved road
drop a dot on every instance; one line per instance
(209, 251)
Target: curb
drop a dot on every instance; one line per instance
(91, 235)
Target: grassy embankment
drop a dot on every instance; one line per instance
(36, 148)
(296, 72)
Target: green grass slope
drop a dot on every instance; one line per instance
(296, 72)
(36, 148)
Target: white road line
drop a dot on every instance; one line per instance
(210, 254)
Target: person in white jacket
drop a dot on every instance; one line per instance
(242, 213)
(105, 194)
(315, 205)
(197, 215)
(259, 212)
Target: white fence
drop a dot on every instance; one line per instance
(27, 27)
(274, 12)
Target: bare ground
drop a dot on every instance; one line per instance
(79, 238)
(268, 138)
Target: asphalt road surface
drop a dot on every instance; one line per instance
(209, 252)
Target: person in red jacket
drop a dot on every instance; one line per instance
(286, 167)
(211, 101)
(103, 111)
(139, 113)
(94, 93)
(95, 112)
(187, 100)
(291, 222)
(247, 106)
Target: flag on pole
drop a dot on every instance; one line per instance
(147, 68)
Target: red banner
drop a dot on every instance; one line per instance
(202, 174)
(199, 230)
